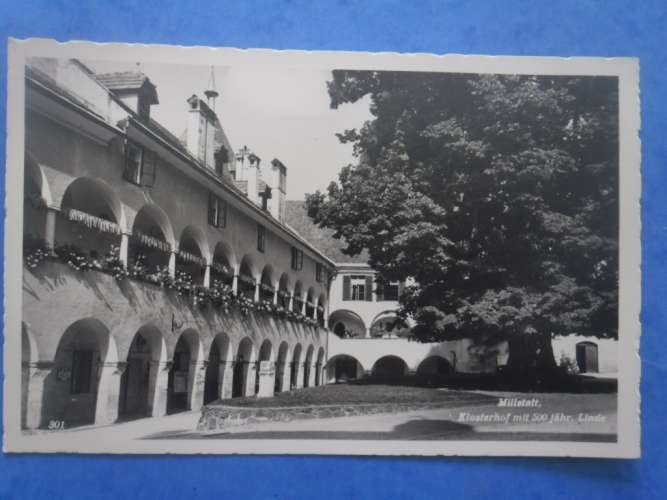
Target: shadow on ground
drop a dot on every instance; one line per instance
(414, 430)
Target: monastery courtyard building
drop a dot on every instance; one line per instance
(163, 272)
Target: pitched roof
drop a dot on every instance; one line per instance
(126, 80)
(297, 218)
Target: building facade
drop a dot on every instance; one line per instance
(153, 281)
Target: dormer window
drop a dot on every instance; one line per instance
(140, 165)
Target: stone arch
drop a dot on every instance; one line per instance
(35, 180)
(434, 370)
(223, 263)
(181, 386)
(321, 310)
(267, 283)
(308, 365)
(152, 238)
(284, 290)
(587, 356)
(344, 367)
(81, 384)
(243, 382)
(351, 324)
(248, 275)
(387, 324)
(140, 392)
(299, 298)
(281, 367)
(92, 217)
(264, 386)
(310, 302)
(295, 366)
(193, 255)
(218, 356)
(389, 368)
(319, 366)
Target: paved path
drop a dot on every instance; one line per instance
(555, 417)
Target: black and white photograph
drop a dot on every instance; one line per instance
(263, 252)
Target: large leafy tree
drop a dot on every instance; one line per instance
(497, 194)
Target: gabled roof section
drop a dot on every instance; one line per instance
(297, 218)
(128, 81)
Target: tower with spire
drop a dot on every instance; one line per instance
(211, 93)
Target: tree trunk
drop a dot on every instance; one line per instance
(531, 359)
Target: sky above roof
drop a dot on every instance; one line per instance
(282, 114)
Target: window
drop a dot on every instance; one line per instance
(297, 259)
(82, 365)
(217, 211)
(357, 288)
(319, 273)
(390, 291)
(261, 238)
(140, 165)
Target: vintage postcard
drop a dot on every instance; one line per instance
(281, 252)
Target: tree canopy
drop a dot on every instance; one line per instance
(498, 194)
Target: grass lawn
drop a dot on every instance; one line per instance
(356, 394)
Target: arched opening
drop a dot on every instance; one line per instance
(343, 368)
(319, 366)
(389, 368)
(307, 366)
(265, 352)
(222, 270)
(191, 257)
(283, 291)
(182, 373)
(321, 309)
(347, 324)
(310, 302)
(266, 287)
(245, 357)
(35, 194)
(434, 370)
(138, 383)
(388, 325)
(297, 305)
(214, 378)
(247, 273)
(91, 220)
(587, 357)
(71, 389)
(294, 367)
(281, 367)
(151, 242)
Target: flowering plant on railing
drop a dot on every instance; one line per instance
(113, 264)
(279, 311)
(36, 250)
(202, 295)
(264, 306)
(245, 304)
(183, 283)
(91, 221)
(161, 277)
(222, 295)
(151, 242)
(310, 322)
(73, 257)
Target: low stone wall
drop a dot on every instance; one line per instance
(215, 417)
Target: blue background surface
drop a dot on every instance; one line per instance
(558, 28)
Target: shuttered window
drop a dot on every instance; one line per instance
(140, 165)
(261, 238)
(347, 288)
(217, 211)
(319, 273)
(297, 259)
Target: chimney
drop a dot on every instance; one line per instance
(248, 169)
(277, 181)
